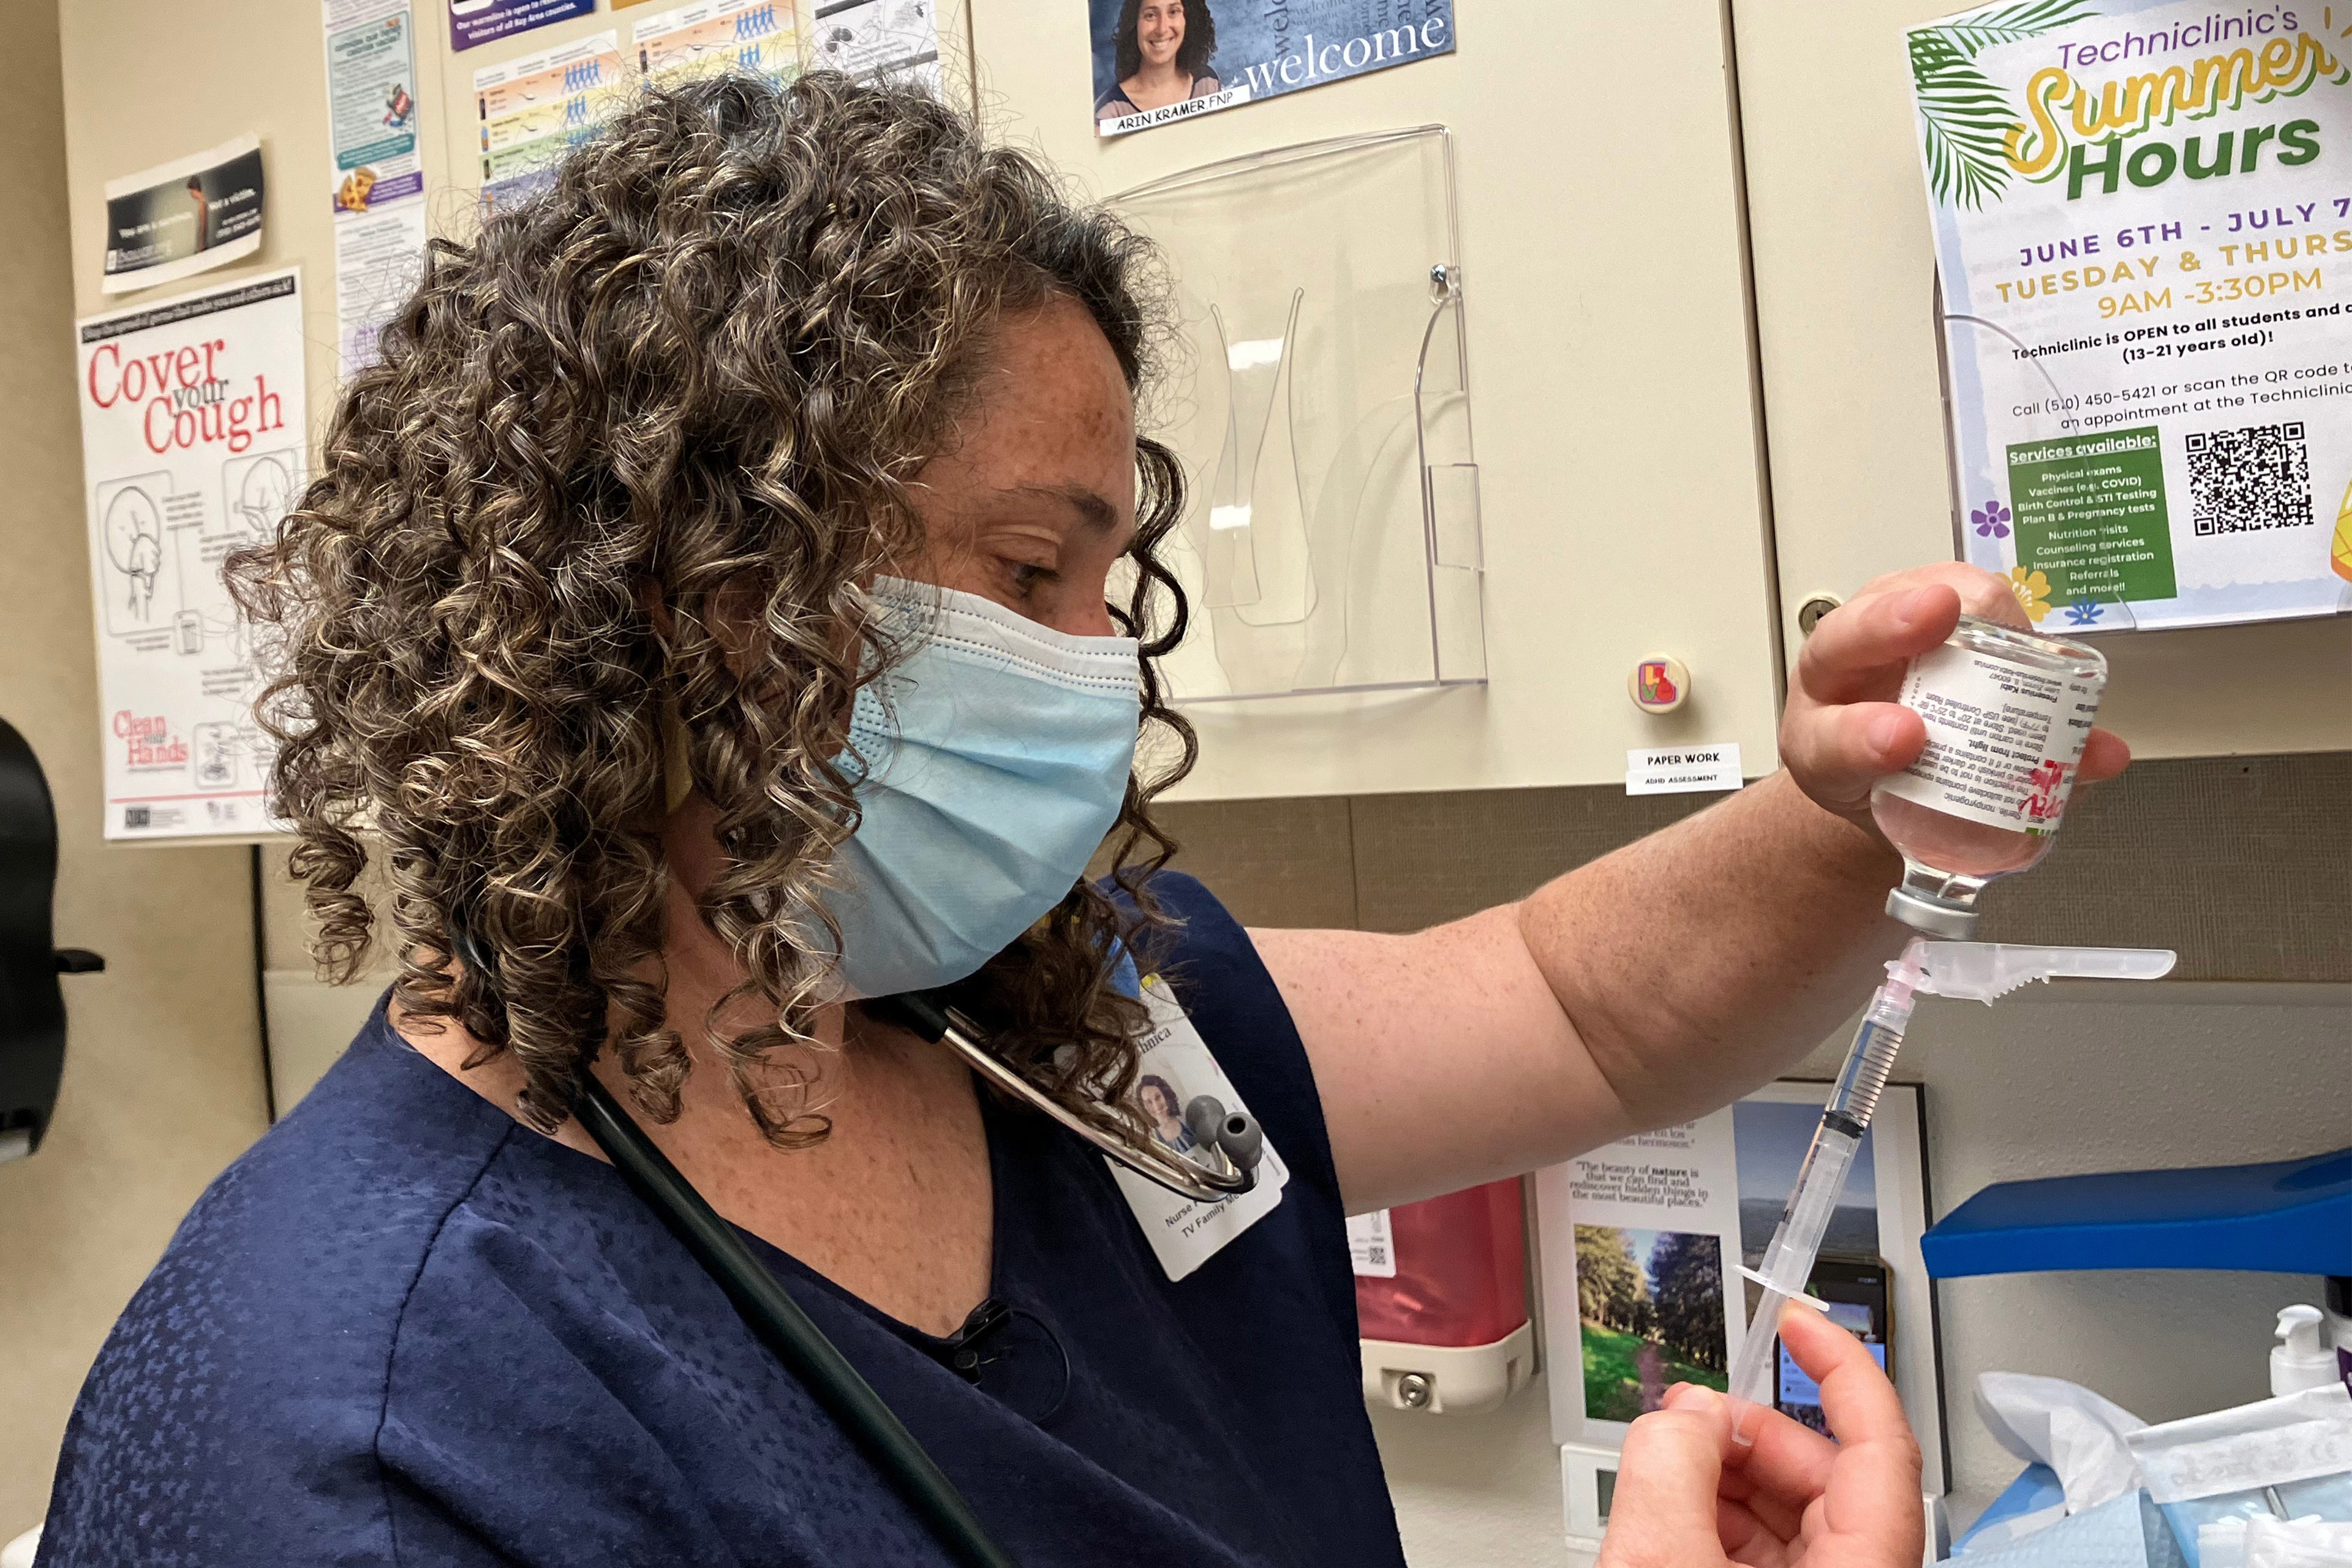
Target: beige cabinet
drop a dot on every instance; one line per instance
(1844, 280)
(1600, 239)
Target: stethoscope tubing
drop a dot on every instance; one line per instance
(781, 1324)
(778, 1321)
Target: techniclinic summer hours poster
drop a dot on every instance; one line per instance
(1159, 61)
(2143, 217)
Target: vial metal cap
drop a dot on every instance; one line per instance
(1948, 921)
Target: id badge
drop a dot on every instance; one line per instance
(1184, 1232)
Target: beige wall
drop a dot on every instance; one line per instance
(162, 1081)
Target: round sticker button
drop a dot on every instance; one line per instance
(1659, 684)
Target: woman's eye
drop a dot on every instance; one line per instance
(1027, 576)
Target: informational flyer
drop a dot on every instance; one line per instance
(375, 176)
(193, 425)
(755, 36)
(1644, 1239)
(473, 22)
(1657, 1249)
(1159, 61)
(897, 40)
(2143, 222)
(183, 217)
(535, 107)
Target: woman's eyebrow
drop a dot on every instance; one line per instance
(1092, 506)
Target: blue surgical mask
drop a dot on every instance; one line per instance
(997, 752)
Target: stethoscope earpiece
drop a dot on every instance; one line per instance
(1234, 1134)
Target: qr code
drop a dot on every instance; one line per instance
(2243, 480)
(135, 816)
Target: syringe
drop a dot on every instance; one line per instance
(1789, 1260)
(1975, 971)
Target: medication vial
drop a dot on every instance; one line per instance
(2008, 714)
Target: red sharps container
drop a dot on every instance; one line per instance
(1442, 1300)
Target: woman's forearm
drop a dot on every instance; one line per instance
(1701, 961)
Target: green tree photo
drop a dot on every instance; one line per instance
(1651, 1309)
(1687, 1292)
(1610, 1288)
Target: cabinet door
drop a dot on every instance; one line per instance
(1609, 372)
(1844, 279)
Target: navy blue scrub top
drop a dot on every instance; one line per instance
(405, 1329)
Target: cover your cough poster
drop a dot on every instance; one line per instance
(192, 428)
(2143, 220)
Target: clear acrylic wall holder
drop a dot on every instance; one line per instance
(1321, 409)
(1981, 521)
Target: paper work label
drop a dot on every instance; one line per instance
(1682, 770)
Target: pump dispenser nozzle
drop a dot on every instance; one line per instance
(2299, 1361)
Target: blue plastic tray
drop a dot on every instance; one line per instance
(2291, 1217)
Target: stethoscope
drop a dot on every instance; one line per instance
(1231, 1138)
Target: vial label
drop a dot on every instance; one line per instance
(2003, 739)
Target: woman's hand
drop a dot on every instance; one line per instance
(1688, 1495)
(1843, 730)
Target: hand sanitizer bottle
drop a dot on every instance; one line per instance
(2300, 1359)
(2008, 714)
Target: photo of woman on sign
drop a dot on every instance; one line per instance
(1161, 50)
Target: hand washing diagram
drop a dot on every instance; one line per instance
(192, 428)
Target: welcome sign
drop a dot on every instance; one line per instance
(1159, 61)
(2142, 222)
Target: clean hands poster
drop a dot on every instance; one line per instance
(2143, 227)
(1159, 61)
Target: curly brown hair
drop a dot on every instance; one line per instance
(641, 443)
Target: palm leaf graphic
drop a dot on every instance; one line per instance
(2028, 20)
(1963, 116)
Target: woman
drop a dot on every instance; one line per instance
(700, 622)
(1160, 53)
(1161, 1111)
